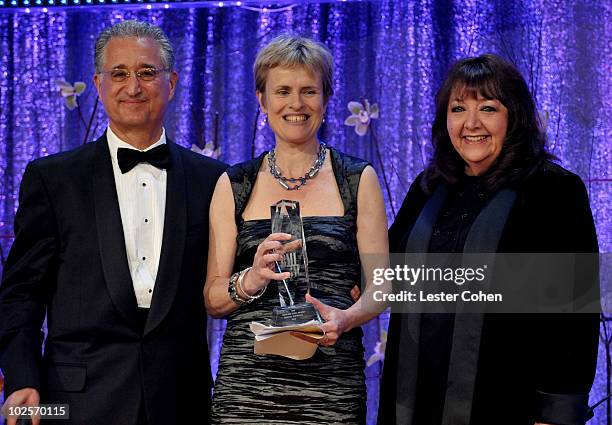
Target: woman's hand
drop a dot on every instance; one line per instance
(264, 267)
(336, 321)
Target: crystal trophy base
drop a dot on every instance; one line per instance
(293, 314)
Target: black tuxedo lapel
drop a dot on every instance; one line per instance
(173, 242)
(110, 234)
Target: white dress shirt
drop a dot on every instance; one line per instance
(142, 202)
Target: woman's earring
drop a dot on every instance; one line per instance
(265, 119)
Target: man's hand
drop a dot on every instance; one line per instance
(22, 397)
(355, 293)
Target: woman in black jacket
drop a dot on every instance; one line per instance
(490, 174)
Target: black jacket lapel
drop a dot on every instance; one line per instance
(173, 242)
(410, 324)
(110, 234)
(483, 238)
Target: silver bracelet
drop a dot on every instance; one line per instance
(250, 298)
(231, 289)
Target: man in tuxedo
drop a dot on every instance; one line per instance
(111, 242)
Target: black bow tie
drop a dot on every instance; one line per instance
(129, 158)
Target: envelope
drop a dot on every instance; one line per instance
(292, 344)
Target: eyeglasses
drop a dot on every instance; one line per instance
(143, 74)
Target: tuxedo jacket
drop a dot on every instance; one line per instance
(69, 261)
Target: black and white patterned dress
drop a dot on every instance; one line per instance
(328, 388)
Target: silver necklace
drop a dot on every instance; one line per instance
(300, 181)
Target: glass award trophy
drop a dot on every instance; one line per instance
(293, 309)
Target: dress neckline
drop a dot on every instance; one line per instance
(332, 157)
(304, 218)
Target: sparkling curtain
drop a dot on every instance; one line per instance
(393, 53)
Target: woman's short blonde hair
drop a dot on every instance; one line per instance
(289, 51)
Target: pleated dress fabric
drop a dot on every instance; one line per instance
(328, 388)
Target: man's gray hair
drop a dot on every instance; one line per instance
(135, 29)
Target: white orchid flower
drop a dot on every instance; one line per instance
(208, 150)
(379, 350)
(70, 92)
(361, 116)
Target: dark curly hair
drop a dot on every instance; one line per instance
(523, 150)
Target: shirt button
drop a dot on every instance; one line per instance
(146, 220)
(150, 290)
(144, 185)
(144, 258)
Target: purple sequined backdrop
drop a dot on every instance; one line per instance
(393, 53)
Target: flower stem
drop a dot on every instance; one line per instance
(216, 132)
(382, 169)
(81, 115)
(91, 117)
(254, 133)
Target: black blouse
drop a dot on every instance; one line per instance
(462, 206)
